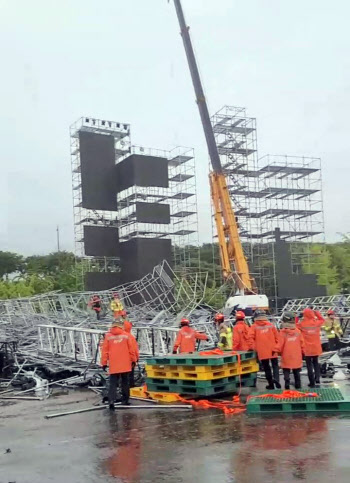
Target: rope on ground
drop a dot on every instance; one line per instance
(285, 395)
(228, 407)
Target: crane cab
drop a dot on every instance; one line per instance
(258, 300)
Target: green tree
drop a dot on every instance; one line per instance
(25, 286)
(10, 263)
(51, 264)
(60, 267)
(320, 264)
(340, 260)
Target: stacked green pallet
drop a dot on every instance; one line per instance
(319, 400)
(197, 375)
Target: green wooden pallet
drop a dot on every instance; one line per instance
(248, 380)
(328, 400)
(196, 359)
(194, 391)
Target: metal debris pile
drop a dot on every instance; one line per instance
(56, 336)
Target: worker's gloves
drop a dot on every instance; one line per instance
(105, 368)
(133, 364)
(174, 352)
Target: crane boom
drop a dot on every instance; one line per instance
(198, 89)
(233, 261)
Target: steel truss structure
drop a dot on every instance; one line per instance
(162, 298)
(82, 216)
(269, 193)
(339, 303)
(84, 345)
(61, 324)
(180, 195)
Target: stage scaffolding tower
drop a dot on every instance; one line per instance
(235, 135)
(180, 196)
(273, 192)
(290, 191)
(83, 216)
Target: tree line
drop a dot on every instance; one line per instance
(25, 276)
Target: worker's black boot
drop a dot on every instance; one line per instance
(311, 380)
(297, 379)
(270, 385)
(287, 386)
(277, 384)
(112, 407)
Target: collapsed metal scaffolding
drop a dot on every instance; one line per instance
(84, 345)
(161, 291)
(339, 303)
(273, 192)
(62, 324)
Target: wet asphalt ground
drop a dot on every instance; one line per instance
(201, 446)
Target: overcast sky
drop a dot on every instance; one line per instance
(288, 63)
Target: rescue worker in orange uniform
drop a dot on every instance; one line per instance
(118, 353)
(127, 328)
(186, 338)
(95, 305)
(291, 348)
(240, 337)
(263, 338)
(310, 327)
(219, 319)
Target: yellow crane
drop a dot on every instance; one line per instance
(233, 261)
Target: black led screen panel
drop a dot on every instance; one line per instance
(95, 281)
(97, 159)
(290, 285)
(152, 213)
(139, 256)
(101, 241)
(139, 170)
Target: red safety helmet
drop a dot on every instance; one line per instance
(184, 321)
(219, 317)
(330, 312)
(240, 315)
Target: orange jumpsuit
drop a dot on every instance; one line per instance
(291, 347)
(310, 327)
(263, 338)
(186, 339)
(240, 336)
(117, 350)
(127, 328)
